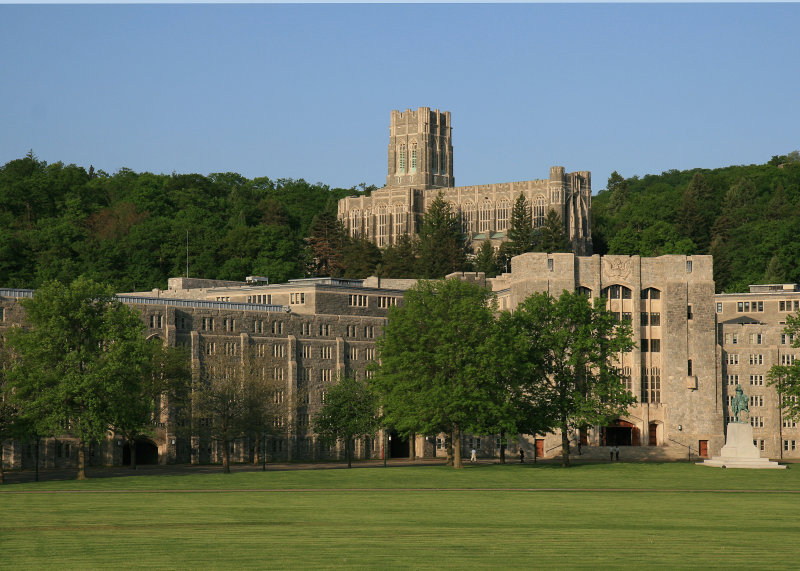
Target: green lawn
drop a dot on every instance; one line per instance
(666, 516)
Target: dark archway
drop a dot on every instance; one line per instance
(146, 453)
(398, 446)
(621, 433)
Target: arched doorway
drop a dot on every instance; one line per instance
(621, 433)
(398, 445)
(146, 452)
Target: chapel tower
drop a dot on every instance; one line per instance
(420, 149)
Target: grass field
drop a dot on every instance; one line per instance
(489, 516)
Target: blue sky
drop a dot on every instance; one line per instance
(305, 91)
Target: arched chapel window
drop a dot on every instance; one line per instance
(485, 216)
(414, 157)
(539, 211)
(468, 217)
(399, 220)
(503, 210)
(584, 291)
(355, 222)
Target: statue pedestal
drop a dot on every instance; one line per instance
(739, 451)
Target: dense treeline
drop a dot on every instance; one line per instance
(747, 217)
(130, 229)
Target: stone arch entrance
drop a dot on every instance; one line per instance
(621, 433)
(146, 452)
(398, 445)
(653, 433)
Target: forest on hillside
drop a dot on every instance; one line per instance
(747, 217)
(130, 229)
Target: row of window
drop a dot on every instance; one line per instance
(755, 359)
(758, 306)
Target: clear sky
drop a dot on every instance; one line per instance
(305, 91)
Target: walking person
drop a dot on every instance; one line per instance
(521, 456)
(616, 452)
(611, 454)
(474, 456)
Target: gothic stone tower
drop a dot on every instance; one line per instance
(420, 149)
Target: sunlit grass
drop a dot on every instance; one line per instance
(412, 517)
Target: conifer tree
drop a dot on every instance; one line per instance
(521, 234)
(442, 245)
(486, 260)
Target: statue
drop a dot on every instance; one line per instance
(739, 404)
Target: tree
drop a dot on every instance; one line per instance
(232, 400)
(164, 381)
(438, 369)
(620, 193)
(350, 411)
(566, 349)
(327, 241)
(400, 259)
(442, 245)
(78, 354)
(786, 378)
(521, 234)
(551, 236)
(361, 257)
(486, 260)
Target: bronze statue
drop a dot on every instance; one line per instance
(739, 404)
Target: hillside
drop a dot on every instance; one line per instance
(747, 217)
(130, 229)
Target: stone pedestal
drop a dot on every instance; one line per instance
(739, 450)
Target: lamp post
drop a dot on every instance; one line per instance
(264, 452)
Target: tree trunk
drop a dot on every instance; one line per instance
(82, 460)
(457, 447)
(503, 447)
(347, 453)
(257, 451)
(448, 445)
(412, 445)
(226, 460)
(564, 444)
(2, 474)
(132, 445)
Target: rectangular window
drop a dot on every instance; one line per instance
(369, 331)
(655, 319)
(369, 354)
(719, 307)
(306, 351)
(756, 400)
(278, 351)
(305, 329)
(277, 374)
(756, 359)
(645, 345)
(655, 345)
(297, 298)
(688, 266)
(789, 445)
(327, 375)
(757, 380)
(789, 423)
(689, 314)
(324, 329)
(733, 379)
(277, 327)
(756, 339)
(357, 300)
(326, 352)
(689, 368)
(757, 421)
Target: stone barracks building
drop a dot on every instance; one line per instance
(693, 346)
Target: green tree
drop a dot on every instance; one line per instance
(164, 382)
(78, 355)
(486, 260)
(400, 259)
(521, 234)
(232, 400)
(361, 258)
(438, 366)
(350, 411)
(551, 236)
(442, 245)
(786, 378)
(566, 350)
(620, 193)
(327, 241)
